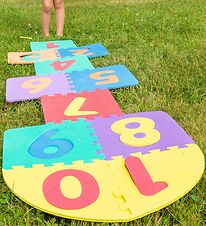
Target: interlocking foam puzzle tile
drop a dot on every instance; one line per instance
(32, 57)
(91, 51)
(35, 46)
(145, 131)
(27, 88)
(50, 143)
(72, 106)
(63, 65)
(33, 87)
(103, 78)
(120, 189)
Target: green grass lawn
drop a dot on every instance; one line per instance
(163, 43)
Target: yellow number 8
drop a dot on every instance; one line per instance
(127, 135)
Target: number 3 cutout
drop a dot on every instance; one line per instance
(127, 135)
(83, 52)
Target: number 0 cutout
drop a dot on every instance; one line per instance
(53, 194)
(36, 85)
(129, 136)
(108, 79)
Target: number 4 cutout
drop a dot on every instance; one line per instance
(60, 66)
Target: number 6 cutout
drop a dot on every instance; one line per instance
(36, 85)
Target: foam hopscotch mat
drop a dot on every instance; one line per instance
(137, 163)
(33, 87)
(54, 53)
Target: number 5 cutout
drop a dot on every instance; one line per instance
(108, 79)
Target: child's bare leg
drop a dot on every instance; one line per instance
(60, 14)
(46, 16)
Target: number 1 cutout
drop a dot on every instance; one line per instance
(51, 45)
(142, 178)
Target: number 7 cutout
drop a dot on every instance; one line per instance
(85, 105)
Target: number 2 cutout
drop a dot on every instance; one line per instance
(108, 79)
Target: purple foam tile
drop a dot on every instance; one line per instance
(171, 134)
(33, 87)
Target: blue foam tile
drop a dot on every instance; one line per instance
(110, 77)
(91, 51)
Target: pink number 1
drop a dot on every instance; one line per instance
(141, 177)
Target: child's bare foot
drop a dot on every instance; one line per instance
(46, 35)
(59, 35)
